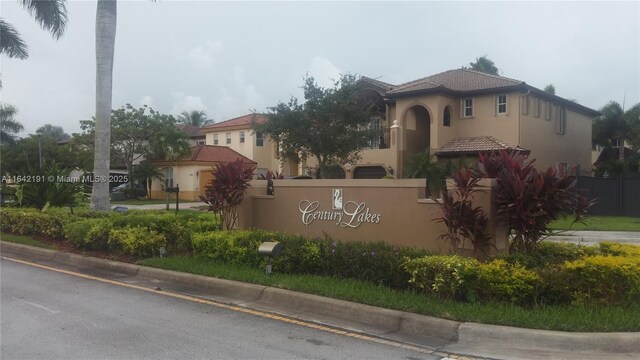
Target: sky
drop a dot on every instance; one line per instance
(231, 58)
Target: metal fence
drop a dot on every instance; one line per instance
(616, 196)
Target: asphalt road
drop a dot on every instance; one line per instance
(48, 315)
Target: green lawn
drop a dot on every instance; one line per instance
(603, 223)
(24, 240)
(565, 318)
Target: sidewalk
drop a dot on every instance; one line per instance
(594, 237)
(172, 206)
(439, 336)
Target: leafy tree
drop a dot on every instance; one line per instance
(23, 155)
(550, 89)
(8, 124)
(51, 15)
(106, 17)
(141, 133)
(483, 64)
(225, 192)
(615, 126)
(330, 126)
(632, 118)
(52, 131)
(194, 117)
(147, 172)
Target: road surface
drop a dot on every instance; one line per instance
(49, 315)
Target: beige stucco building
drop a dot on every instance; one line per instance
(238, 135)
(459, 113)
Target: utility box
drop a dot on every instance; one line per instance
(270, 249)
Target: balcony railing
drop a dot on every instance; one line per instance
(380, 140)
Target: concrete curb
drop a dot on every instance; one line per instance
(459, 336)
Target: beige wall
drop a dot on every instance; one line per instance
(265, 155)
(550, 148)
(397, 213)
(187, 176)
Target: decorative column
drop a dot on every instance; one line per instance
(395, 146)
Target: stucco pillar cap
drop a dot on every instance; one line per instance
(395, 124)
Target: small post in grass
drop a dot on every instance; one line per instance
(177, 196)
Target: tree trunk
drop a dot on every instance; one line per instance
(106, 16)
(621, 148)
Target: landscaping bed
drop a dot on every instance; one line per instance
(559, 286)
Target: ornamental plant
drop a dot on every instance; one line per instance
(463, 221)
(226, 190)
(528, 200)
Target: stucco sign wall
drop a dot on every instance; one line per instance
(349, 214)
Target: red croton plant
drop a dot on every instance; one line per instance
(527, 201)
(226, 190)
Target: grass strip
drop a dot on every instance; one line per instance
(587, 318)
(599, 223)
(25, 240)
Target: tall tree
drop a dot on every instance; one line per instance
(142, 133)
(55, 132)
(483, 64)
(8, 124)
(614, 127)
(550, 89)
(106, 17)
(50, 14)
(193, 117)
(330, 126)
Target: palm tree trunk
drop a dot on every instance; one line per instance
(620, 148)
(106, 16)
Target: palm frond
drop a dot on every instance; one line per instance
(11, 44)
(50, 14)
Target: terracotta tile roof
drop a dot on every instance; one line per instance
(381, 85)
(475, 144)
(245, 120)
(190, 130)
(458, 80)
(213, 153)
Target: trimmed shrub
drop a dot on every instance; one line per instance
(32, 222)
(447, 276)
(604, 279)
(172, 227)
(503, 282)
(549, 253)
(378, 263)
(90, 234)
(137, 240)
(611, 248)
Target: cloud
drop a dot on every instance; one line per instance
(146, 100)
(203, 56)
(324, 71)
(183, 102)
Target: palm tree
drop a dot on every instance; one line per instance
(106, 16)
(51, 15)
(193, 117)
(610, 129)
(485, 65)
(147, 172)
(424, 165)
(8, 124)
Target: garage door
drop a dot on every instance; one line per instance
(369, 172)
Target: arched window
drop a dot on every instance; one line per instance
(446, 118)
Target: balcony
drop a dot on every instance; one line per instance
(380, 140)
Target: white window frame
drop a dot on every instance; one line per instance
(259, 139)
(200, 142)
(465, 107)
(505, 104)
(228, 138)
(525, 104)
(216, 139)
(168, 177)
(241, 137)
